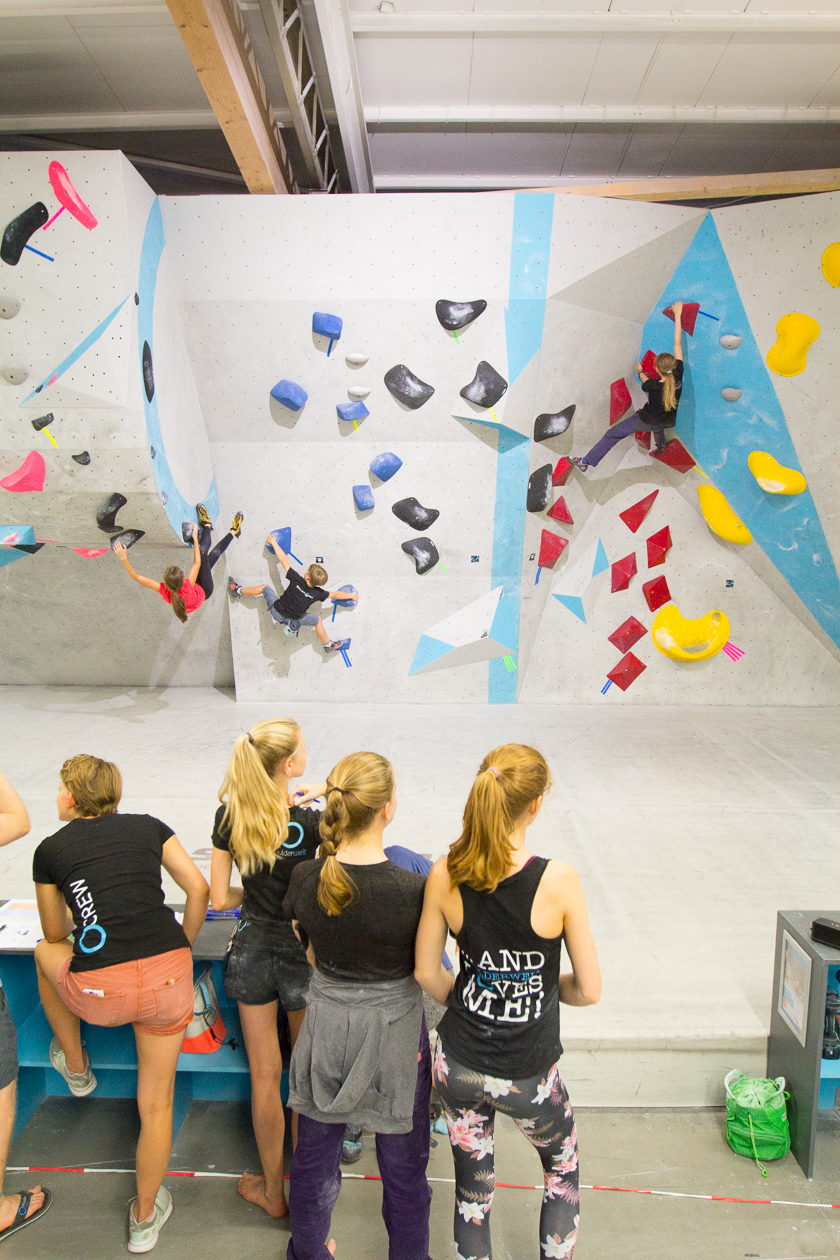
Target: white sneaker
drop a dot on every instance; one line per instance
(80, 1083)
(143, 1235)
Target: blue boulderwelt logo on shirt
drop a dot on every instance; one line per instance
(93, 935)
(289, 842)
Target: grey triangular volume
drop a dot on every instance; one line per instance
(486, 387)
(552, 424)
(128, 537)
(455, 315)
(406, 387)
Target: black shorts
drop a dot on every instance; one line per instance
(8, 1044)
(267, 963)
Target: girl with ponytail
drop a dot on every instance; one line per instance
(356, 1061)
(659, 412)
(498, 1043)
(258, 831)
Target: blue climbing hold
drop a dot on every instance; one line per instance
(385, 465)
(363, 497)
(347, 603)
(283, 538)
(290, 394)
(352, 411)
(327, 325)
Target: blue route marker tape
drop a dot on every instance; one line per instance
(606, 686)
(708, 316)
(39, 252)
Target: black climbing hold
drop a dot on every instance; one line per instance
(128, 537)
(136, 299)
(187, 528)
(486, 387)
(423, 552)
(539, 489)
(148, 374)
(164, 497)
(82, 458)
(455, 315)
(406, 387)
(106, 512)
(19, 230)
(43, 421)
(29, 548)
(152, 451)
(552, 424)
(414, 514)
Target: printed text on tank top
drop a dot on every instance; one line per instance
(506, 988)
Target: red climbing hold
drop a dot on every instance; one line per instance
(628, 633)
(560, 512)
(552, 547)
(689, 315)
(30, 475)
(622, 571)
(649, 363)
(69, 198)
(561, 473)
(643, 437)
(658, 546)
(633, 516)
(90, 553)
(656, 593)
(620, 399)
(626, 671)
(675, 456)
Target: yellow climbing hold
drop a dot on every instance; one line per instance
(719, 516)
(830, 264)
(773, 476)
(684, 640)
(794, 334)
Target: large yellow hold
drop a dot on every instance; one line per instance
(684, 640)
(719, 516)
(794, 334)
(830, 264)
(773, 476)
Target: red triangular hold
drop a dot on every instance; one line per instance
(90, 553)
(561, 473)
(622, 571)
(649, 363)
(643, 437)
(552, 547)
(658, 546)
(628, 633)
(620, 399)
(675, 456)
(30, 475)
(689, 315)
(626, 671)
(633, 516)
(656, 593)
(560, 512)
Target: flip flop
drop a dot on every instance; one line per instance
(21, 1218)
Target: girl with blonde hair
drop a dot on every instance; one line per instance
(257, 830)
(356, 1061)
(498, 1043)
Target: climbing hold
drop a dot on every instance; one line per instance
(773, 476)
(9, 307)
(552, 425)
(18, 536)
(327, 325)
(363, 498)
(620, 399)
(290, 394)
(455, 315)
(346, 603)
(356, 359)
(385, 465)
(730, 341)
(14, 375)
(731, 394)
(794, 334)
(633, 516)
(414, 514)
(656, 592)
(688, 318)
(643, 437)
(658, 546)
(621, 571)
(552, 547)
(30, 475)
(148, 374)
(107, 511)
(187, 528)
(625, 673)
(486, 387)
(719, 516)
(90, 553)
(406, 387)
(561, 472)
(423, 552)
(358, 391)
(675, 456)
(685, 640)
(19, 230)
(136, 299)
(830, 264)
(128, 537)
(627, 634)
(559, 511)
(164, 497)
(483, 630)
(539, 489)
(69, 198)
(352, 410)
(649, 363)
(283, 538)
(42, 421)
(152, 452)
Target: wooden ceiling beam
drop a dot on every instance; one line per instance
(708, 187)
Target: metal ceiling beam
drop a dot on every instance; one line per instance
(336, 37)
(692, 188)
(184, 120)
(606, 23)
(540, 115)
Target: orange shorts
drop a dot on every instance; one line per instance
(154, 994)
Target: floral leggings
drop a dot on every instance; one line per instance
(539, 1107)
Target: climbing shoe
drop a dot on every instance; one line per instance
(236, 525)
(234, 588)
(203, 515)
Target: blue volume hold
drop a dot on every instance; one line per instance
(363, 497)
(290, 394)
(327, 325)
(385, 465)
(352, 411)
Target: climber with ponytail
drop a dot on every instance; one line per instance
(356, 1063)
(257, 830)
(498, 1043)
(659, 411)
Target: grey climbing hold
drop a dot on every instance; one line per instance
(552, 424)
(730, 394)
(423, 552)
(187, 528)
(19, 230)
(356, 359)
(164, 497)
(42, 421)
(414, 514)
(358, 391)
(14, 375)
(9, 307)
(107, 511)
(486, 387)
(730, 342)
(455, 315)
(363, 498)
(539, 489)
(152, 452)
(128, 537)
(148, 374)
(136, 299)
(82, 458)
(406, 387)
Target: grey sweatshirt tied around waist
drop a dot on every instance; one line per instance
(355, 1059)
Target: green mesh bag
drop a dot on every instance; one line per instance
(756, 1117)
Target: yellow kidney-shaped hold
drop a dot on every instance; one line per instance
(719, 516)
(684, 640)
(794, 334)
(830, 264)
(773, 476)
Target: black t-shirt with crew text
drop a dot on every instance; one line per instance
(264, 890)
(298, 596)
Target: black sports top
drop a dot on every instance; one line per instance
(264, 890)
(653, 414)
(504, 1011)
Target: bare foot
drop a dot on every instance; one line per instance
(252, 1188)
(331, 1246)
(9, 1204)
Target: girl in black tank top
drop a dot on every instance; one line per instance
(499, 1041)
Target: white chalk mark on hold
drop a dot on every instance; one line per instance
(793, 547)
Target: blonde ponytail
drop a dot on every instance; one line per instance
(665, 364)
(257, 810)
(357, 788)
(510, 778)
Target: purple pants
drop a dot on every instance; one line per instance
(618, 431)
(315, 1180)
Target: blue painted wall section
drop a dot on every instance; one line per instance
(89, 340)
(524, 319)
(721, 434)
